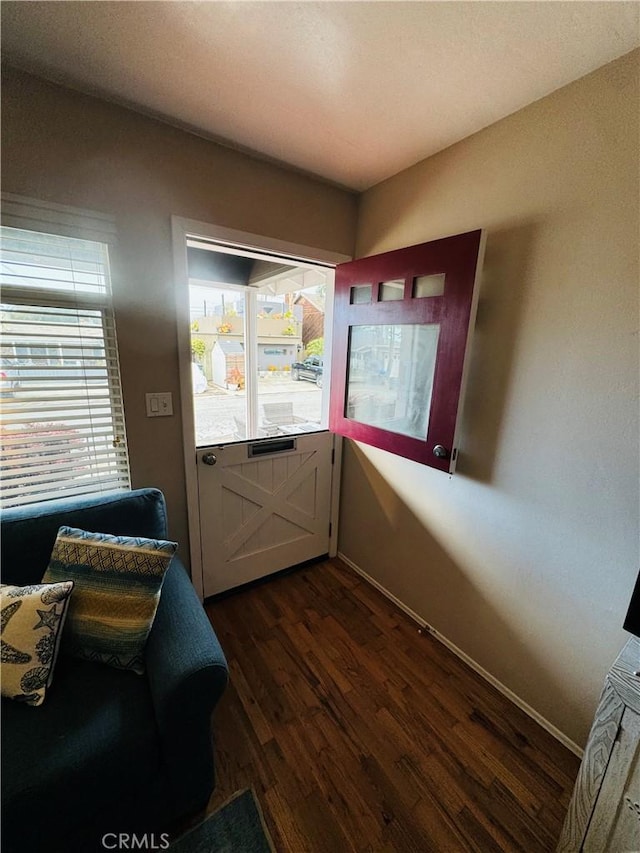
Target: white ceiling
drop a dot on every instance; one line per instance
(350, 91)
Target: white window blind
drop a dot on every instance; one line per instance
(62, 420)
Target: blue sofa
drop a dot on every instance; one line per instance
(109, 751)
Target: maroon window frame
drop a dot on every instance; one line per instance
(459, 258)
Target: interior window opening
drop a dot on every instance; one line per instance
(258, 359)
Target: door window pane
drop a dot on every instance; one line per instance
(290, 331)
(282, 393)
(428, 285)
(390, 379)
(360, 294)
(218, 364)
(391, 291)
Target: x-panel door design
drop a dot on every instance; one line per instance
(265, 506)
(266, 482)
(263, 452)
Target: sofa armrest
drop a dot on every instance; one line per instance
(187, 673)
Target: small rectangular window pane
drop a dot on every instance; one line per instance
(31, 259)
(360, 294)
(428, 285)
(391, 291)
(390, 379)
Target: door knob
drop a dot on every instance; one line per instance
(209, 458)
(441, 452)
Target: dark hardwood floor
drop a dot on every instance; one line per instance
(357, 732)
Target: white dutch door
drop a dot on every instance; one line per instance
(260, 400)
(264, 506)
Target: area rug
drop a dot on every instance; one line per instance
(237, 827)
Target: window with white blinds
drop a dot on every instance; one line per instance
(62, 421)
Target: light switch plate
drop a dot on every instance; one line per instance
(159, 404)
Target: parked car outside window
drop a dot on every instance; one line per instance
(310, 368)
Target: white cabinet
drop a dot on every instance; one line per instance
(604, 812)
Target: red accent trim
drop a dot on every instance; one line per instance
(457, 257)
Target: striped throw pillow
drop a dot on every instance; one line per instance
(118, 581)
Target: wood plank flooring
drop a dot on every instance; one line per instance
(358, 733)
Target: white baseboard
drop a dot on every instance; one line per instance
(531, 712)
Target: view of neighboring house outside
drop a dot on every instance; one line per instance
(226, 362)
(280, 357)
(280, 343)
(312, 305)
(218, 352)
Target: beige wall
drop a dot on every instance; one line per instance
(64, 147)
(526, 558)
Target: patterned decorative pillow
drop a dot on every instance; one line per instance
(32, 618)
(118, 581)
